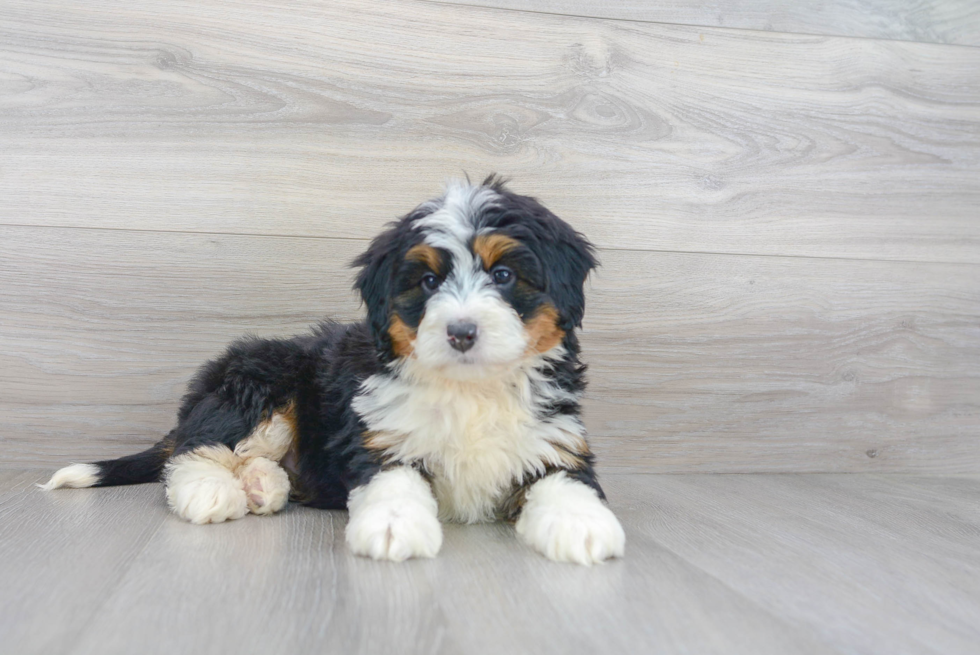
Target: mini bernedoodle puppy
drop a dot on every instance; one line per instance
(456, 400)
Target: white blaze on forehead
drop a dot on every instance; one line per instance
(453, 224)
(451, 227)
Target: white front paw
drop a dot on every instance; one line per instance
(566, 522)
(394, 531)
(394, 518)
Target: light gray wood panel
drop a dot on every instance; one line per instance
(839, 556)
(723, 363)
(328, 119)
(61, 555)
(930, 21)
(698, 362)
(102, 329)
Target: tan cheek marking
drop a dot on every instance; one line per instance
(491, 247)
(402, 337)
(426, 254)
(542, 330)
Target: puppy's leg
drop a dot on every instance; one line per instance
(209, 483)
(237, 419)
(202, 486)
(271, 438)
(394, 517)
(266, 483)
(564, 520)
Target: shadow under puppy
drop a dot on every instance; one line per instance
(457, 399)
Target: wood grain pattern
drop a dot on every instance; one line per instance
(929, 21)
(61, 556)
(698, 362)
(293, 573)
(848, 559)
(328, 119)
(651, 602)
(340, 603)
(837, 366)
(757, 564)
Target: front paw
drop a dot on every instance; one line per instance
(394, 530)
(393, 517)
(565, 521)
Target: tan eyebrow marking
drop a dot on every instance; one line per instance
(491, 247)
(426, 254)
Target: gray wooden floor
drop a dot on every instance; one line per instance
(754, 564)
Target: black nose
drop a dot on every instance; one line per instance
(462, 335)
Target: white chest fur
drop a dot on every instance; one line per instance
(476, 438)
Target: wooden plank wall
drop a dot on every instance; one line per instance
(788, 223)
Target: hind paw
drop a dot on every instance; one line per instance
(202, 489)
(266, 485)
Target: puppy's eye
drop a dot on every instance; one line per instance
(430, 282)
(502, 276)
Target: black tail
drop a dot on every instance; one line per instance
(146, 466)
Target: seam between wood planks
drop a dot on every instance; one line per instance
(259, 235)
(450, 3)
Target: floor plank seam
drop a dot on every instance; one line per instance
(449, 3)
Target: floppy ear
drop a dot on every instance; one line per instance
(568, 258)
(374, 284)
(566, 255)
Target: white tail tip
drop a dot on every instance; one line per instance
(75, 476)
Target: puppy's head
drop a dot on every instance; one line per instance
(475, 282)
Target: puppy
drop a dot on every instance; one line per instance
(456, 400)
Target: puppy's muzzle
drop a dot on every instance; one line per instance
(462, 335)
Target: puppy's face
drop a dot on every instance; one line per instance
(473, 283)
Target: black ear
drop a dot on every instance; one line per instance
(374, 282)
(566, 255)
(568, 258)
